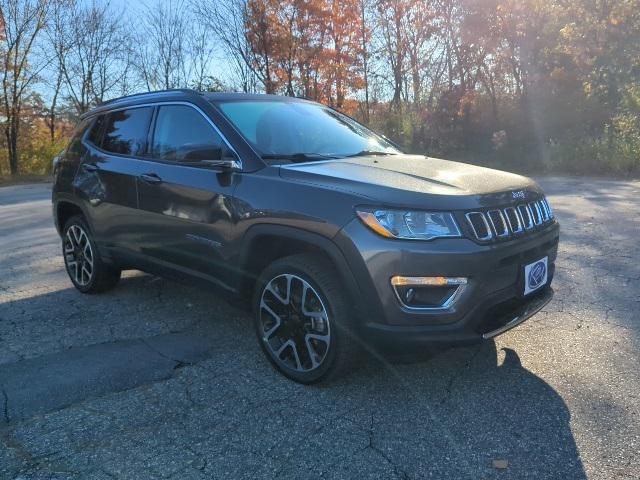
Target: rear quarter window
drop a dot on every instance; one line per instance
(75, 144)
(95, 135)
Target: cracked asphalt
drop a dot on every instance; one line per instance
(161, 380)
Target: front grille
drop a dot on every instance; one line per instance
(509, 221)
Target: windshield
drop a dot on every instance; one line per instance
(301, 131)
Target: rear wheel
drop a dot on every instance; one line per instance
(302, 319)
(87, 271)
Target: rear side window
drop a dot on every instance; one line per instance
(75, 145)
(95, 135)
(126, 131)
(182, 134)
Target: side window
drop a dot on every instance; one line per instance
(182, 134)
(95, 135)
(126, 131)
(75, 144)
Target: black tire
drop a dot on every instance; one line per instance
(100, 277)
(342, 346)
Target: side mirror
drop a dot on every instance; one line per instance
(209, 156)
(229, 161)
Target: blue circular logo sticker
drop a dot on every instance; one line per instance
(537, 275)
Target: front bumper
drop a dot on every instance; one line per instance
(483, 325)
(491, 303)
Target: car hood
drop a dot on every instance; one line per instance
(407, 179)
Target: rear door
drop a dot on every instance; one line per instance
(185, 206)
(107, 177)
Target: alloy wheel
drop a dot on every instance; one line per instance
(78, 255)
(295, 323)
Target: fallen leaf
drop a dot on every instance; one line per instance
(500, 463)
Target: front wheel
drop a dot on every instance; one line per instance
(87, 271)
(302, 319)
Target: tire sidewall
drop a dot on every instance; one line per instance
(280, 268)
(77, 220)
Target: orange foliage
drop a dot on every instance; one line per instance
(309, 48)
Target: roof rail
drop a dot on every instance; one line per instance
(171, 90)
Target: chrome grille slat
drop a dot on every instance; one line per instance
(543, 210)
(525, 216)
(488, 235)
(513, 218)
(506, 222)
(536, 214)
(498, 222)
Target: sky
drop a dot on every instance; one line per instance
(220, 68)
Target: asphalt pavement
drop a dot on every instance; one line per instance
(156, 379)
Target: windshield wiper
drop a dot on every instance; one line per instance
(297, 157)
(365, 153)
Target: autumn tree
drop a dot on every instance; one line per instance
(23, 22)
(92, 53)
(226, 19)
(60, 41)
(343, 51)
(201, 50)
(264, 35)
(603, 39)
(523, 81)
(164, 38)
(390, 16)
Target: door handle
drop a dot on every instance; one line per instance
(89, 167)
(151, 178)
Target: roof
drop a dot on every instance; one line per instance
(228, 96)
(185, 94)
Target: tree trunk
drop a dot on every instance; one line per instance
(52, 126)
(11, 133)
(365, 61)
(52, 115)
(398, 70)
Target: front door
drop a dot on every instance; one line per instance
(185, 206)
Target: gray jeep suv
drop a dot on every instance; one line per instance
(328, 231)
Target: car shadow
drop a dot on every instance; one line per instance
(456, 411)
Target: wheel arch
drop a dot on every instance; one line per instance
(264, 244)
(64, 210)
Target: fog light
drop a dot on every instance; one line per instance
(428, 281)
(427, 293)
(409, 295)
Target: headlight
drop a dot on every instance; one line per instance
(412, 225)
